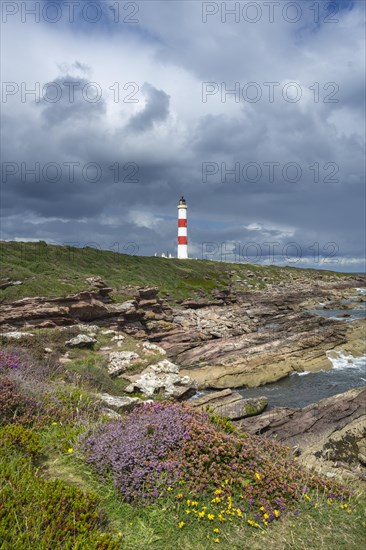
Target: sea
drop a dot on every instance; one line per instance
(302, 389)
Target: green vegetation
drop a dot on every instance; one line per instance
(50, 270)
(50, 497)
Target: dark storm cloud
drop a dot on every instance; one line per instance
(71, 98)
(155, 110)
(151, 152)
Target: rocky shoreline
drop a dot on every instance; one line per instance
(235, 339)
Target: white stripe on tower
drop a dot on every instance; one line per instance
(182, 229)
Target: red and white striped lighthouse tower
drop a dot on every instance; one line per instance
(182, 229)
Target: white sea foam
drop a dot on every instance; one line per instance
(340, 361)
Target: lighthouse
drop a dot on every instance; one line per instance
(182, 229)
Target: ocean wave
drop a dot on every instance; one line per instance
(340, 361)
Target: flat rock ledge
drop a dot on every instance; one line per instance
(230, 404)
(121, 404)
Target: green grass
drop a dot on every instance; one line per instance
(50, 270)
(326, 527)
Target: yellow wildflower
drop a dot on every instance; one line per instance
(239, 512)
(262, 508)
(307, 497)
(316, 505)
(218, 492)
(180, 496)
(265, 516)
(188, 511)
(257, 475)
(226, 481)
(188, 502)
(221, 517)
(210, 517)
(216, 540)
(54, 423)
(216, 530)
(195, 503)
(201, 514)
(181, 524)
(276, 513)
(252, 523)
(170, 488)
(120, 534)
(70, 450)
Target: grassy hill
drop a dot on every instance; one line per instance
(50, 270)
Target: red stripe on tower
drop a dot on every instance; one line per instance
(182, 230)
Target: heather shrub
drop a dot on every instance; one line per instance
(29, 397)
(14, 405)
(24, 363)
(167, 448)
(8, 361)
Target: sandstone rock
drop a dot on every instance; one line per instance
(125, 307)
(88, 329)
(118, 338)
(230, 404)
(84, 306)
(148, 293)
(326, 434)
(148, 347)
(16, 335)
(81, 341)
(119, 361)
(120, 404)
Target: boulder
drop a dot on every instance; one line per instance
(162, 376)
(15, 335)
(230, 404)
(92, 330)
(149, 293)
(150, 348)
(120, 361)
(81, 341)
(120, 404)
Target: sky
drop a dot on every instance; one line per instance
(254, 111)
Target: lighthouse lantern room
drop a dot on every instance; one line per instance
(182, 229)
